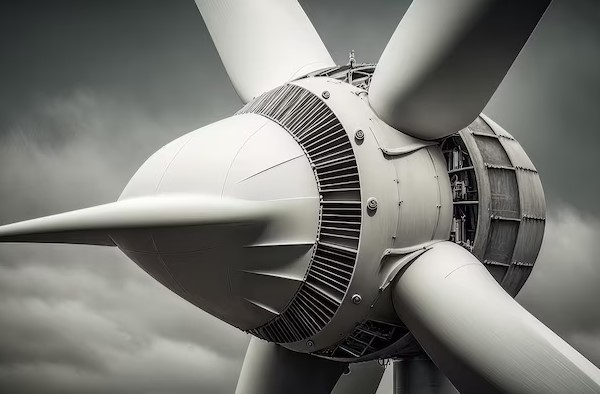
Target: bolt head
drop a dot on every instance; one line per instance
(356, 299)
(310, 343)
(359, 135)
(372, 204)
(325, 94)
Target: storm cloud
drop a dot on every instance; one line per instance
(90, 89)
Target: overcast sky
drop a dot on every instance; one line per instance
(89, 89)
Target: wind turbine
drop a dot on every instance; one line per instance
(350, 213)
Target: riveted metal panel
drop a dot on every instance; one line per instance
(533, 204)
(504, 193)
(501, 242)
(492, 151)
(517, 155)
(531, 233)
(479, 126)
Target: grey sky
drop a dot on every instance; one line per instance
(89, 89)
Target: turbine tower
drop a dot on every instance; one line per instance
(351, 213)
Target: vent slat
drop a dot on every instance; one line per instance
(317, 307)
(341, 277)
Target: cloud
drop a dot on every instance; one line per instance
(75, 150)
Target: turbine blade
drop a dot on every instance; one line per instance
(482, 339)
(271, 369)
(446, 59)
(263, 43)
(94, 225)
(362, 378)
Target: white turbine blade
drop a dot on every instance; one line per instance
(446, 59)
(482, 339)
(271, 369)
(94, 225)
(263, 43)
(361, 378)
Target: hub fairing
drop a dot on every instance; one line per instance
(243, 273)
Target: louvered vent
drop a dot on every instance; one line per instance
(319, 132)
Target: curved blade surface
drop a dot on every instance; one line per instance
(94, 225)
(271, 369)
(446, 59)
(263, 43)
(482, 339)
(419, 375)
(361, 378)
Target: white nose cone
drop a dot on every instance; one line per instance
(242, 272)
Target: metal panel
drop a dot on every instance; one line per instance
(492, 151)
(499, 131)
(517, 155)
(515, 278)
(501, 242)
(504, 193)
(533, 203)
(515, 151)
(529, 241)
(479, 126)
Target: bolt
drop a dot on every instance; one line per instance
(310, 343)
(325, 94)
(356, 299)
(359, 135)
(372, 204)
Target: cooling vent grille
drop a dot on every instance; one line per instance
(322, 137)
